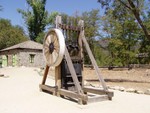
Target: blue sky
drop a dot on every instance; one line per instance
(66, 6)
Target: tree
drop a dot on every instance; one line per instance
(134, 7)
(10, 35)
(123, 33)
(92, 26)
(144, 43)
(51, 24)
(36, 17)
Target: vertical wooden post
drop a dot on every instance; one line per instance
(45, 75)
(91, 55)
(80, 39)
(58, 68)
(58, 79)
(81, 50)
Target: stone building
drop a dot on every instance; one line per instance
(28, 53)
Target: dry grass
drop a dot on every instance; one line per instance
(140, 77)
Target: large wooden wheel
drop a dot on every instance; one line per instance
(54, 47)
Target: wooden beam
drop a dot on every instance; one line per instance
(72, 94)
(69, 27)
(58, 21)
(73, 73)
(91, 56)
(58, 78)
(50, 89)
(98, 91)
(58, 68)
(97, 98)
(45, 75)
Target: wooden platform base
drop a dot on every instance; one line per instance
(90, 94)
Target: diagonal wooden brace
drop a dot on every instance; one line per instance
(73, 73)
(94, 62)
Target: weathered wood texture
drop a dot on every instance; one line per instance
(97, 98)
(83, 95)
(58, 68)
(98, 91)
(92, 57)
(45, 75)
(50, 89)
(73, 73)
(58, 78)
(68, 27)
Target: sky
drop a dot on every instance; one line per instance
(63, 6)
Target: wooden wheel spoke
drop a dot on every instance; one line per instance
(54, 54)
(56, 43)
(46, 49)
(57, 50)
(56, 46)
(46, 42)
(47, 55)
(55, 39)
(49, 39)
(51, 59)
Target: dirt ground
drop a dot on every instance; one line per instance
(20, 94)
(138, 79)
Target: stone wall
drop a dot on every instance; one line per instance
(9, 56)
(24, 58)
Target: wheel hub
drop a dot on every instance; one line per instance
(51, 48)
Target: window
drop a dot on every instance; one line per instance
(31, 59)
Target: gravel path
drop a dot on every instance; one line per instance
(20, 94)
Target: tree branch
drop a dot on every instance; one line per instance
(137, 16)
(124, 4)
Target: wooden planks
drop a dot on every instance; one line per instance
(72, 94)
(50, 89)
(97, 98)
(92, 57)
(58, 78)
(73, 73)
(83, 95)
(45, 74)
(69, 27)
(98, 91)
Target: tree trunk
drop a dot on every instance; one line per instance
(135, 11)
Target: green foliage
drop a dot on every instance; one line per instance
(92, 25)
(10, 35)
(123, 33)
(127, 23)
(144, 42)
(51, 18)
(36, 17)
(40, 38)
(134, 7)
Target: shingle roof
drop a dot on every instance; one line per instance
(25, 45)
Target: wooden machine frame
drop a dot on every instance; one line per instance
(82, 94)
